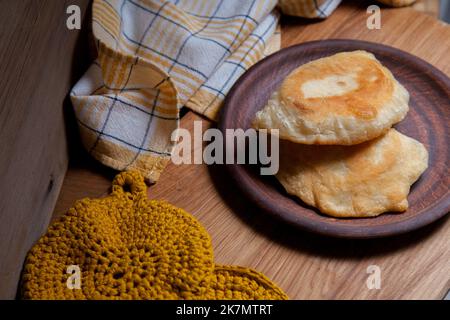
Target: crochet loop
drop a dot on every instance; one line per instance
(129, 182)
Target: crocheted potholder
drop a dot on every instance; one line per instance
(126, 246)
(129, 247)
(238, 283)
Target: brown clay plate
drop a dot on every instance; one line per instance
(427, 121)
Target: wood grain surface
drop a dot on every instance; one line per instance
(39, 63)
(427, 121)
(306, 266)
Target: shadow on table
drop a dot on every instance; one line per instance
(293, 237)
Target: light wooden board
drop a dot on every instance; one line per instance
(430, 7)
(306, 266)
(38, 54)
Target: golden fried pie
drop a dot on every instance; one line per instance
(344, 99)
(363, 180)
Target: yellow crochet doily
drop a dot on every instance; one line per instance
(129, 247)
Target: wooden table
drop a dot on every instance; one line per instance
(306, 266)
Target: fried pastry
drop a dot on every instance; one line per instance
(344, 99)
(363, 180)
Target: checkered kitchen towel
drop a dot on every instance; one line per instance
(155, 57)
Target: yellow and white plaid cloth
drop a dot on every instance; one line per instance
(155, 57)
